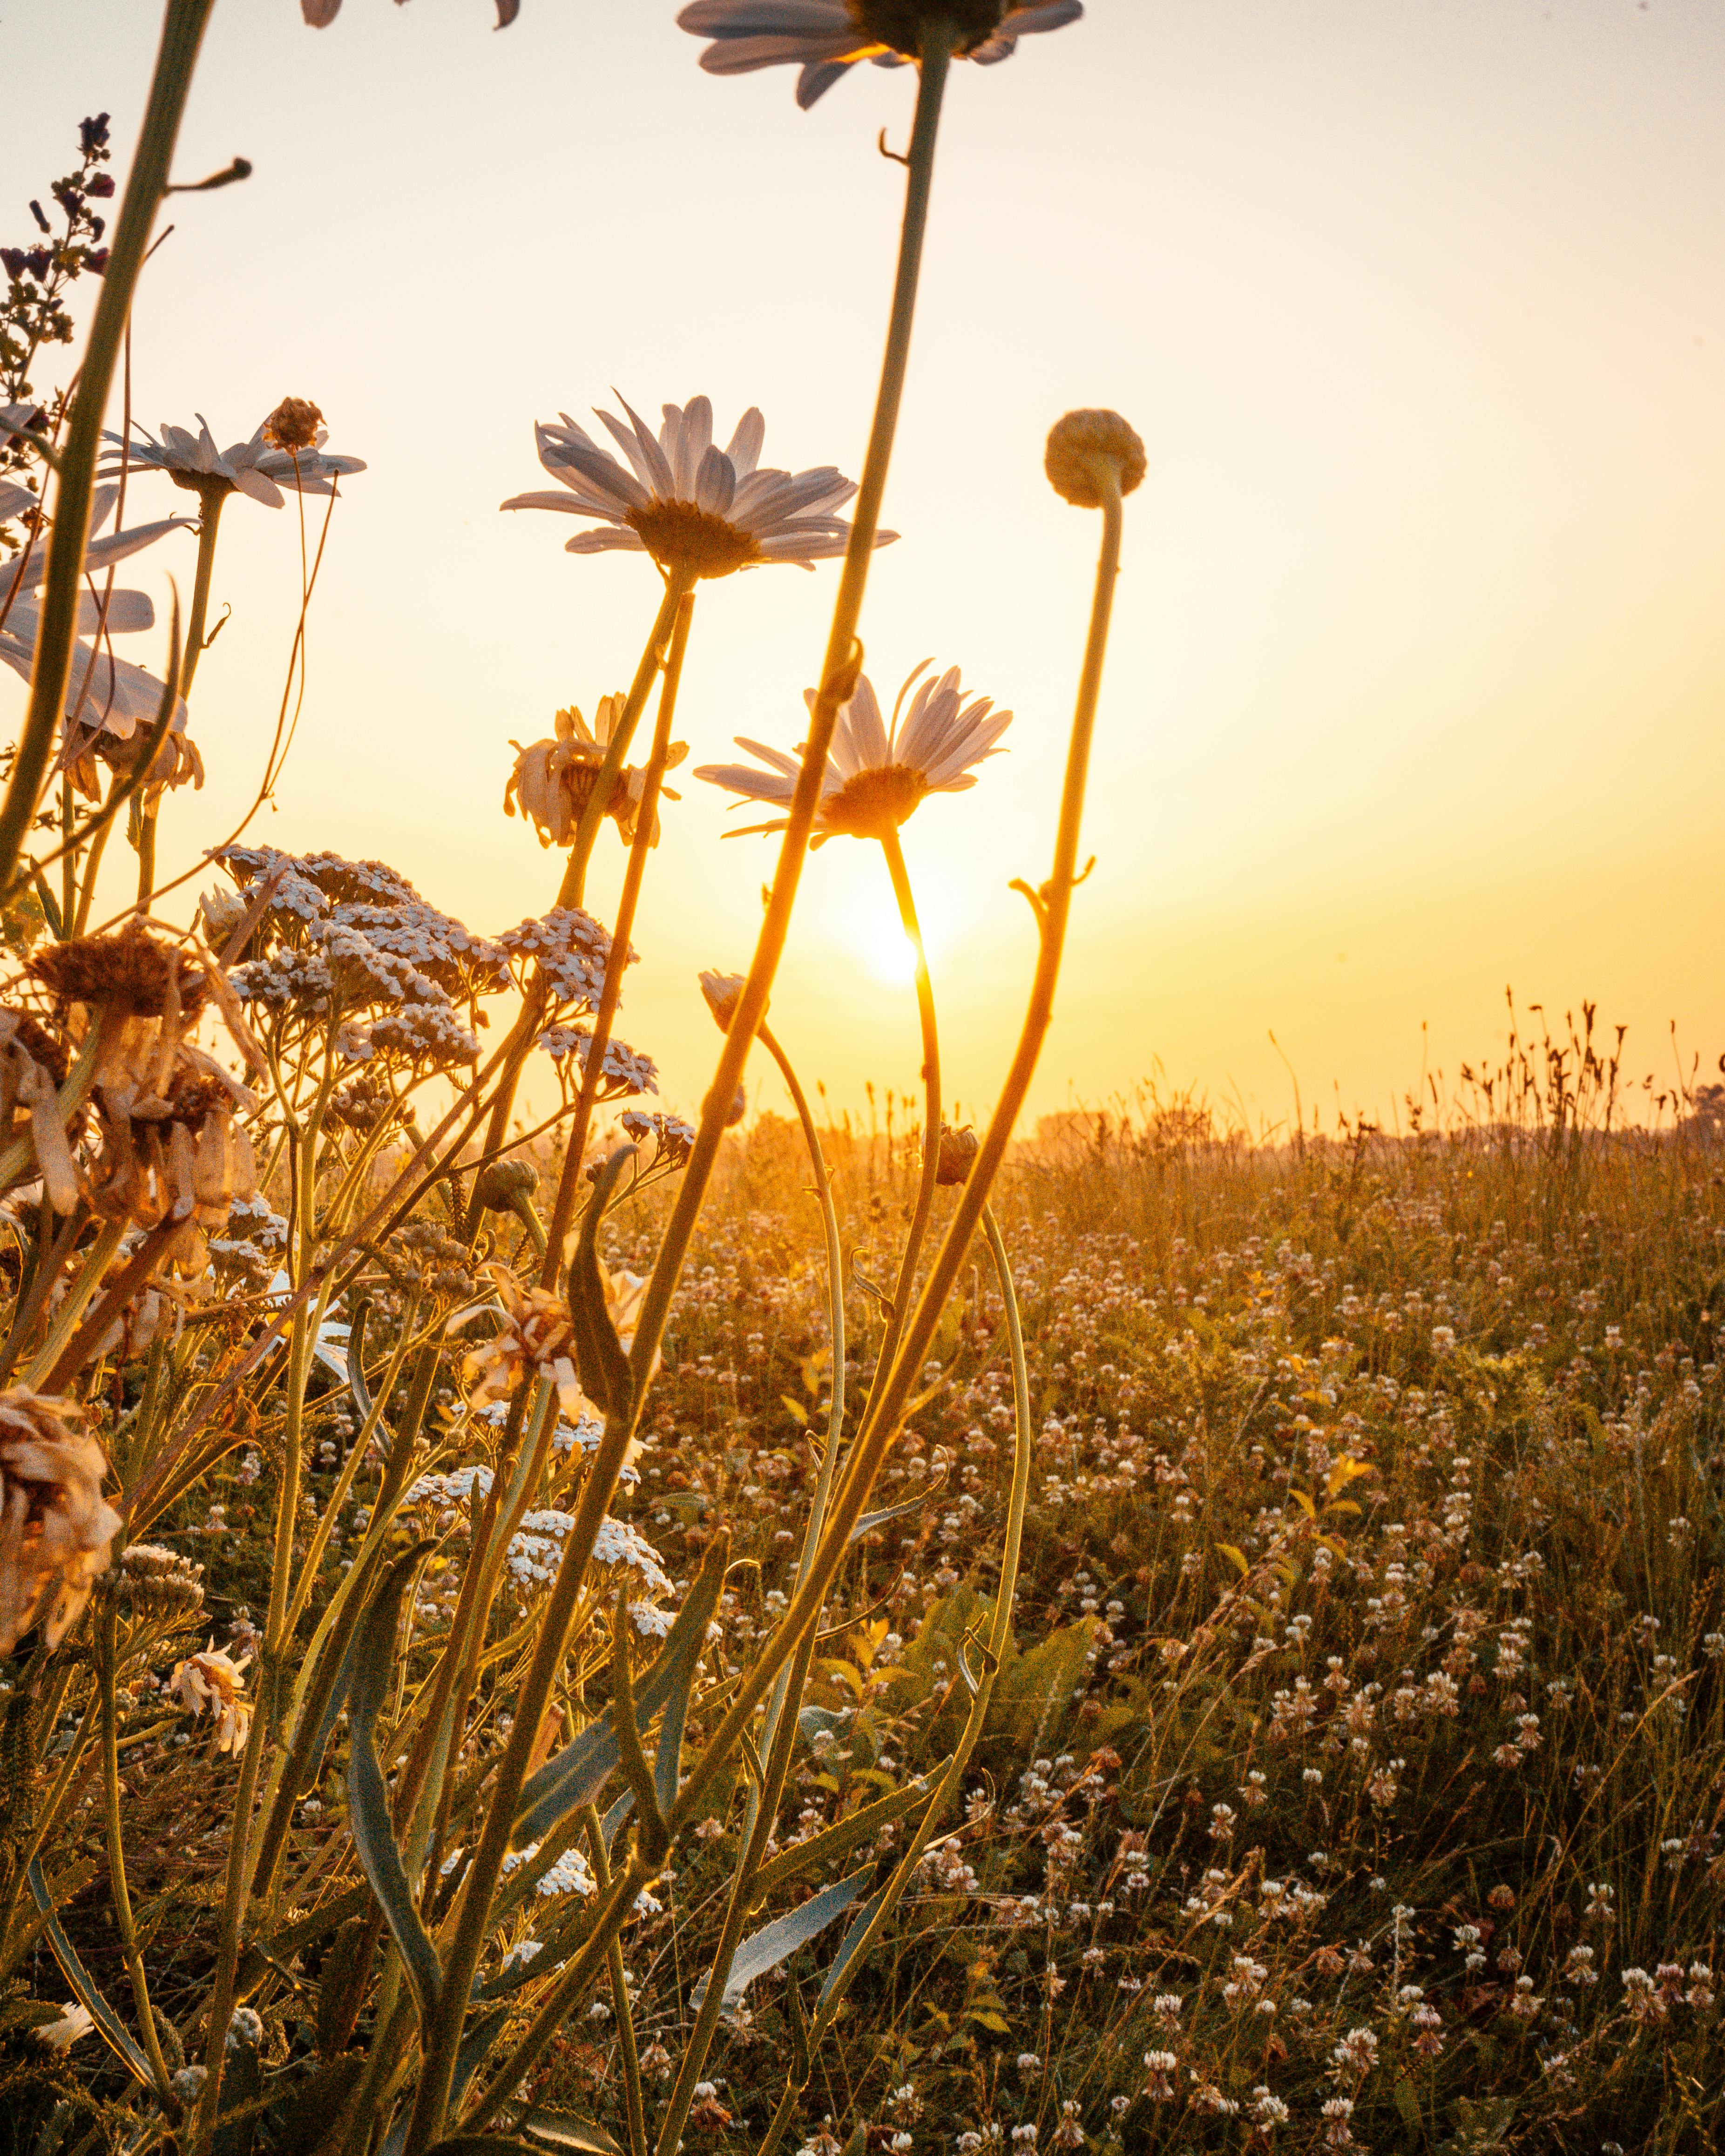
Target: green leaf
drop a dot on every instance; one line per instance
(576, 1774)
(1035, 1689)
(853, 1938)
(777, 1941)
(1235, 1558)
(1407, 2104)
(840, 1838)
(566, 2129)
(479, 2144)
(373, 1655)
(299, 2124)
(113, 2029)
(600, 1362)
(919, 1503)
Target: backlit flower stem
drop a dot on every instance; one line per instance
(778, 1734)
(874, 1438)
(212, 497)
(842, 662)
(678, 586)
(107, 1677)
(183, 29)
(594, 1075)
(999, 1639)
(895, 1317)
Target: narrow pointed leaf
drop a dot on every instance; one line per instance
(600, 1362)
(566, 2129)
(777, 1941)
(917, 1504)
(373, 1653)
(83, 1990)
(853, 1939)
(840, 1838)
(578, 1773)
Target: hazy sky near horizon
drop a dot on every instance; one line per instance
(1417, 679)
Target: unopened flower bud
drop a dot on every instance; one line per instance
(723, 993)
(502, 1184)
(739, 1108)
(957, 1150)
(1084, 448)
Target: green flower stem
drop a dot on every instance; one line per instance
(574, 882)
(182, 27)
(779, 1734)
(999, 1636)
(211, 500)
(842, 664)
(678, 585)
(107, 1676)
(874, 1438)
(592, 1076)
(931, 1113)
(627, 2050)
(838, 678)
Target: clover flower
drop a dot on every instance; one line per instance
(875, 777)
(252, 468)
(698, 510)
(55, 1526)
(215, 1680)
(554, 780)
(826, 37)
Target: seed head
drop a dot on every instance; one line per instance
(293, 425)
(1083, 448)
(958, 1148)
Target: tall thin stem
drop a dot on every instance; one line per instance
(779, 1730)
(873, 1441)
(594, 1075)
(183, 29)
(838, 679)
(895, 1317)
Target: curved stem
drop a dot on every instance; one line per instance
(182, 31)
(838, 678)
(931, 1115)
(592, 1076)
(778, 1734)
(876, 1437)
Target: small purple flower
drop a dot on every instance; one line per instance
(101, 185)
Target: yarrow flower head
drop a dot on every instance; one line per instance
(875, 776)
(287, 447)
(698, 510)
(827, 38)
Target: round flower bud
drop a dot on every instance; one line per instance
(502, 1184)
(723, 993)
(1080, 449)
(957, 1150)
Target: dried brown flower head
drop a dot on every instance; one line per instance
(129, 972)
(958, 1149)
(55, 1526)
(1083, 448)
(293, 425)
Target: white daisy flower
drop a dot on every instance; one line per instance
(251, 468)
(690, 504)
(876, 776)
(824, 38)
(119, 697)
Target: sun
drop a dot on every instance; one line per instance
(890, 953)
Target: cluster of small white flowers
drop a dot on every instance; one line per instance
(626, 1069)
(571, 951)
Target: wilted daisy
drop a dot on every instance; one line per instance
(876, 776)
(251, 468)
(110, 696)
(217, 1681)
(537, 1334)
(553, 780)
(824, 38)
(55, 1526)
(696, 509)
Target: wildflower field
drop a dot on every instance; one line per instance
(528, 1621)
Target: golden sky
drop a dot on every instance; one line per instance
(1417, 679)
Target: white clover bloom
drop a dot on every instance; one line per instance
(695, 508)
(875, 776)
(825, 38)
(252, 468)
